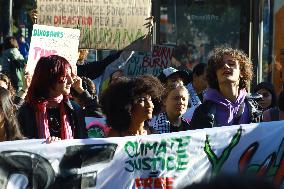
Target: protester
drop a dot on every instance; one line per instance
(171, 75)
(175, 101)
(12, 62)
(269, 97)
(18, 98)
(275, 113)
(198, 84)
(128, 103)
(229, 72)
(196, 89)
(88, 100)
(49, 113)
(6, 83)
(9, 127)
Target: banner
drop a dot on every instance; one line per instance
(149, 63)
(48, 40)
(104, 24)
(154, 161)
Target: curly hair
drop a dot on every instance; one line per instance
(118, 99)
(216, 61)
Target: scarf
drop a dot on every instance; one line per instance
(161, 123)
(42, 120)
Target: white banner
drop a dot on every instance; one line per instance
(104, 24)
(48, 40)
(155, 161)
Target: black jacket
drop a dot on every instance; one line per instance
(93, 70)
(27, 120)
(204, 114)
(92, 106)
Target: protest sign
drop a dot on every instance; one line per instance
(155, 161)
(149, 63)
(104, 24)
(49, 40)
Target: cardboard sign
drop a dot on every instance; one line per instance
(108, 24)
(49, 40)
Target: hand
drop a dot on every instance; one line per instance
(27, 78)
(52, 139)
(33, 14)
(149, 24)
(77, 84)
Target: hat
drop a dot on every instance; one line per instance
(167, 72)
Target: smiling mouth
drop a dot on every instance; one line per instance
(227, 73)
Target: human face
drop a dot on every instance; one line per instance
(229, 71)
(176, 102)
(3, 84)
(143, 108)
(266, 100)
(63, 86)
(200, 82)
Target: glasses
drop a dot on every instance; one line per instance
(143, 99)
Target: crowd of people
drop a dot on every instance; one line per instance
(54, 102)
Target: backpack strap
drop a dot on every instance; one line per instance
(239, 113)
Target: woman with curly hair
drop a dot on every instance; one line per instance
(229, 73)
(128, 103)
(9, 127)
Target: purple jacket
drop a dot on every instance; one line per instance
(227, 110)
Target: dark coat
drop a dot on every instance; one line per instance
(27, 120)
(93, 70)
(204, 114)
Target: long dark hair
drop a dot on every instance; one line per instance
(8, 110)
(46, 74)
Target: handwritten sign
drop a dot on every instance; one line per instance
(111, 24)
(149, 63)
(49, 40)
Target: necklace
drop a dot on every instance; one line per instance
(54, 121)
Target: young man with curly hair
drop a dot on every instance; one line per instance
(226, 102)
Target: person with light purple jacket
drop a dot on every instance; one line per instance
(226, 101)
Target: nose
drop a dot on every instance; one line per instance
(226, 65)
(69, 80)
(149, 103)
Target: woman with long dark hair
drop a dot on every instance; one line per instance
(49, 113)
(9, 127)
